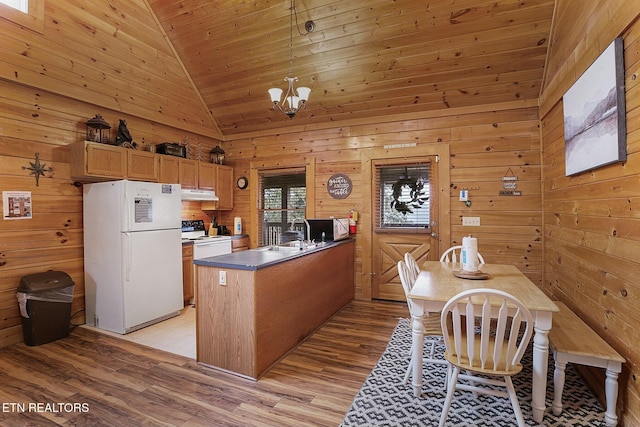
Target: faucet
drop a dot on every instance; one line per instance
(307, 226)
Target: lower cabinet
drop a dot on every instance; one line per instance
(187, 273)
(240, 243)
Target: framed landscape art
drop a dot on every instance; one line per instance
(595, 132)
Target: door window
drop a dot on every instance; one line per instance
(403, 196)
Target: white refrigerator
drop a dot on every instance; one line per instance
(132, 254)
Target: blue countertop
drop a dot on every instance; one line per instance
(255, 259)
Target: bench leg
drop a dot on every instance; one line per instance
(611, 393)
(558, 383)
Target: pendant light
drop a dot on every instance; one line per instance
(294, 99)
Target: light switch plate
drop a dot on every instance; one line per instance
(473, 221)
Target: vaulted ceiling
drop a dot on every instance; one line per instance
(365, 58)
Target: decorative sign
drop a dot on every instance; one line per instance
(339, 186)
(509, 183)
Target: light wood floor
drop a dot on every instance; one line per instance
(176, 335)
(115, 382)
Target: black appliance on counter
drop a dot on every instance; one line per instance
(334, 229)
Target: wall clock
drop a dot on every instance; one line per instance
(242, 182)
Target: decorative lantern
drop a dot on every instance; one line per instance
(98, 130)
(217, 155)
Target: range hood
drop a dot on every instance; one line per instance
(196, 194)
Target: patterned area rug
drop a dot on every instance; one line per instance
(384, 401)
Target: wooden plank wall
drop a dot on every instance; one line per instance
(592, 220)
(485, 144)
(109, 53)
(45, 101)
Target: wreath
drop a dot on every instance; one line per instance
(416, 193)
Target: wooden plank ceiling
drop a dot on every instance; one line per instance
(365, 59)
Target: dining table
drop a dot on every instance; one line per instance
(438, 282)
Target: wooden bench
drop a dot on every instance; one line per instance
(573, 341)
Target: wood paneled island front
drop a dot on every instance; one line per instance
(271, 302)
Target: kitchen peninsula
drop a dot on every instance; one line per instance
(255, 306)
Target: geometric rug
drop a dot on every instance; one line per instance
(385, 401)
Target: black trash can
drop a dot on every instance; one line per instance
(45, 306)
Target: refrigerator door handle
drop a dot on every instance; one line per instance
(128, 208)
(127, 257)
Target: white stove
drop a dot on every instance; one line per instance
(204, 246)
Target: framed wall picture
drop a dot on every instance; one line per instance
(595, 132)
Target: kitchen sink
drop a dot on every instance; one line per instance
(284, 249)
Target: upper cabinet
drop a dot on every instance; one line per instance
(188, 171)
(207, 176)
(223, 186)
(224, 189)
(169, 169)
(142, 166)
(92, 161)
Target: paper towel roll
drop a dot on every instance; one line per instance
(469, 254)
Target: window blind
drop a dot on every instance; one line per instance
(402, 198)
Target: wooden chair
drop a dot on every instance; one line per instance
(452, 254)
(474, 345)
(431, 322)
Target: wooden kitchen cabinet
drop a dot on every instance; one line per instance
(187, 273)
(243, 327)
(143, 166)
(240, 243)
(169, 169)
(188, 173)
(207, 174)
(93, 161)
(224, 187)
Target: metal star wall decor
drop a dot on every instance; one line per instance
(37, 169)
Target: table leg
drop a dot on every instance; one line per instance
(539, 380)
(417, 338)
(611, 393)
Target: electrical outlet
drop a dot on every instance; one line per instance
(222, 278)
(473, 221)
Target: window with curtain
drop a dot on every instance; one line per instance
(282, 205)
(403, 199)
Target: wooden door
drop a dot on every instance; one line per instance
(389, 241)
(388, 249)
